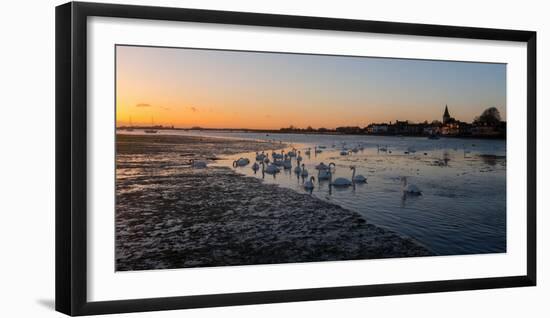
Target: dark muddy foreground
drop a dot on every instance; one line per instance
(169, 215)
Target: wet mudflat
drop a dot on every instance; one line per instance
(170, 215)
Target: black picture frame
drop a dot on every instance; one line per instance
(71, 157)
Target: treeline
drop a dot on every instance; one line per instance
(339, 130)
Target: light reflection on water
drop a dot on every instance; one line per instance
(463, 206)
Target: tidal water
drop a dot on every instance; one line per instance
(462, 209)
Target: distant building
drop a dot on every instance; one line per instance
(447, 119)
(377, 128)
(449, 127)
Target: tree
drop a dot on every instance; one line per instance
(490, 116)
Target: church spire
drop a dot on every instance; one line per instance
(446, 115)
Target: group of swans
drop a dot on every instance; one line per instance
(325, 172)
(316, 150)
(344, 182)
(346, 151)
(301, 170)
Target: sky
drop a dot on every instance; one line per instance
(260, 90)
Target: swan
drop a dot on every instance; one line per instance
(304, 172)
(359, 178)
(255, 166)
(341, 182)
(287, 164)
(292, 153)
(260, 156)
(308, 185)
(278, 155)
(327, 173)
(198, 164)
(321, 166)
(409, 188)
(298, 169)
(271, 169)
(241, 162)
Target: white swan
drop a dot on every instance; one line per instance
(278, 155)
(409, 188)
(287, 164)
(292, 153)
(308, 185)
(326, 173)
(255, 166)
(260, 156)
(359, 178)
(341, 182)
(271, 169)
(304, 172)
(321, 166)
(198, 164)
(298, 169)
(241, 162)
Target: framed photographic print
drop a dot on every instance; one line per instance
(210, 158)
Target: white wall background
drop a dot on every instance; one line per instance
(27, 158)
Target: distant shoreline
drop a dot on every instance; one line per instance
(330, 133)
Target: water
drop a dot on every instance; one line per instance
(462, 209)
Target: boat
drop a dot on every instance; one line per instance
(130, 127)
(151, 130)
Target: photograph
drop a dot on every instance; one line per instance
(236, 158)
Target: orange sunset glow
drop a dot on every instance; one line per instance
(233, 89)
